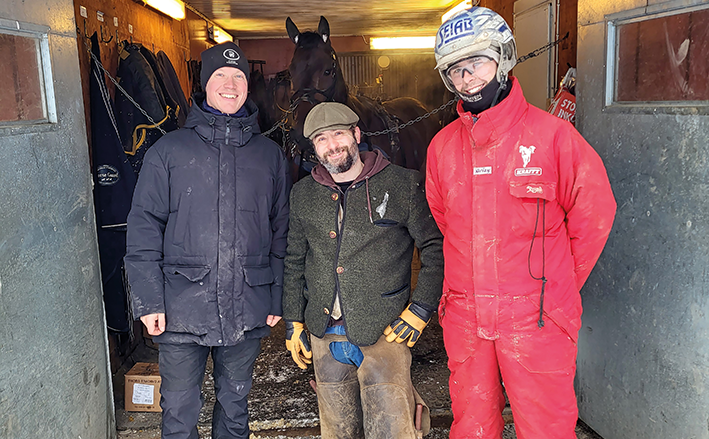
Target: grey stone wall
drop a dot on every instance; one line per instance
(643, 365)
(54, 379)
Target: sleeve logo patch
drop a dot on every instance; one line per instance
(482, 170)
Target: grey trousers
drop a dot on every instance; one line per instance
(375, 401)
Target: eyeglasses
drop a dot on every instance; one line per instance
(470, 65)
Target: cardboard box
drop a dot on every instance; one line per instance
(143, 388)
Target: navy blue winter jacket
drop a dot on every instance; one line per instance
(207, 230)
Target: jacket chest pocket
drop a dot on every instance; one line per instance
(532, 207)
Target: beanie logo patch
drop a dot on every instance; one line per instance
(231, 56)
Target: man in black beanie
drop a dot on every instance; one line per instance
(225, 79)
(206, 242)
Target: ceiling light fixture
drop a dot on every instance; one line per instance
(221, 36)
(383, 43)
(465, 4)
(173, 8)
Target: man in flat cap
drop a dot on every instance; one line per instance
(353, 226)
(206, 242)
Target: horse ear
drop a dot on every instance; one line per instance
(293, 31)
(324, 29)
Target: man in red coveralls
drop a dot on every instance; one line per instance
(525, 207)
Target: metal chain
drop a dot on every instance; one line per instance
(412, 121)
(282, 123)
(278, 124)
(125, 93)
(541, 50)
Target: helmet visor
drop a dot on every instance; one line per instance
(480, 66)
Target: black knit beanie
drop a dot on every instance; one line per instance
(222, 55)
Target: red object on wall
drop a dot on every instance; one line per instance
(563, 105)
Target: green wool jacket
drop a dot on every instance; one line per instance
(369, 260)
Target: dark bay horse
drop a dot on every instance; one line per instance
(316, 77)
(272, 100)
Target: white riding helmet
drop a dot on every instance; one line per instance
(473, 32)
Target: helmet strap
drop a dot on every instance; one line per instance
(498, 93)
(486, 98)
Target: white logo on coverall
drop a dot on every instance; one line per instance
(534, 190)
(382, 208)
(526, 152)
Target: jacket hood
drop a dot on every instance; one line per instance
(212, 128)
(374, 162)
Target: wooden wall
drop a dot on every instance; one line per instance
(505, 8)
(181, 40)
(567, 23)
(568, 10)
(150, 28)
(277, 52)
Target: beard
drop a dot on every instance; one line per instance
(345, 163)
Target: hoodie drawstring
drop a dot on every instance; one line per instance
(369, 204)
(543, 278)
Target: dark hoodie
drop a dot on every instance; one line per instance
(368, 259)
(207, 230)
(374, 161)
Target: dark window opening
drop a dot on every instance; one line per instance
(22, 98)
(664, 59)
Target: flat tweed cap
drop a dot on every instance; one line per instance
(328, 116)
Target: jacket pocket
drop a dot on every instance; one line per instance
(547, 350)
(189, 304)
(386, 223)
(569, 326)
(181, 216)
(255, 276)
(396, 291)
(532, 199)
(257, 302)
(533, 190)
(193, 274)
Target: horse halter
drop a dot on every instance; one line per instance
(309, 94)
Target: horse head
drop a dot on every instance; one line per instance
(315, 71)
(315, 77)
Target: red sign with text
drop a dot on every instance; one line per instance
(564, 105)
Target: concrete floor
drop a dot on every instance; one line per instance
(283, 405)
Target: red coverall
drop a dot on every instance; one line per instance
(492, 180)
